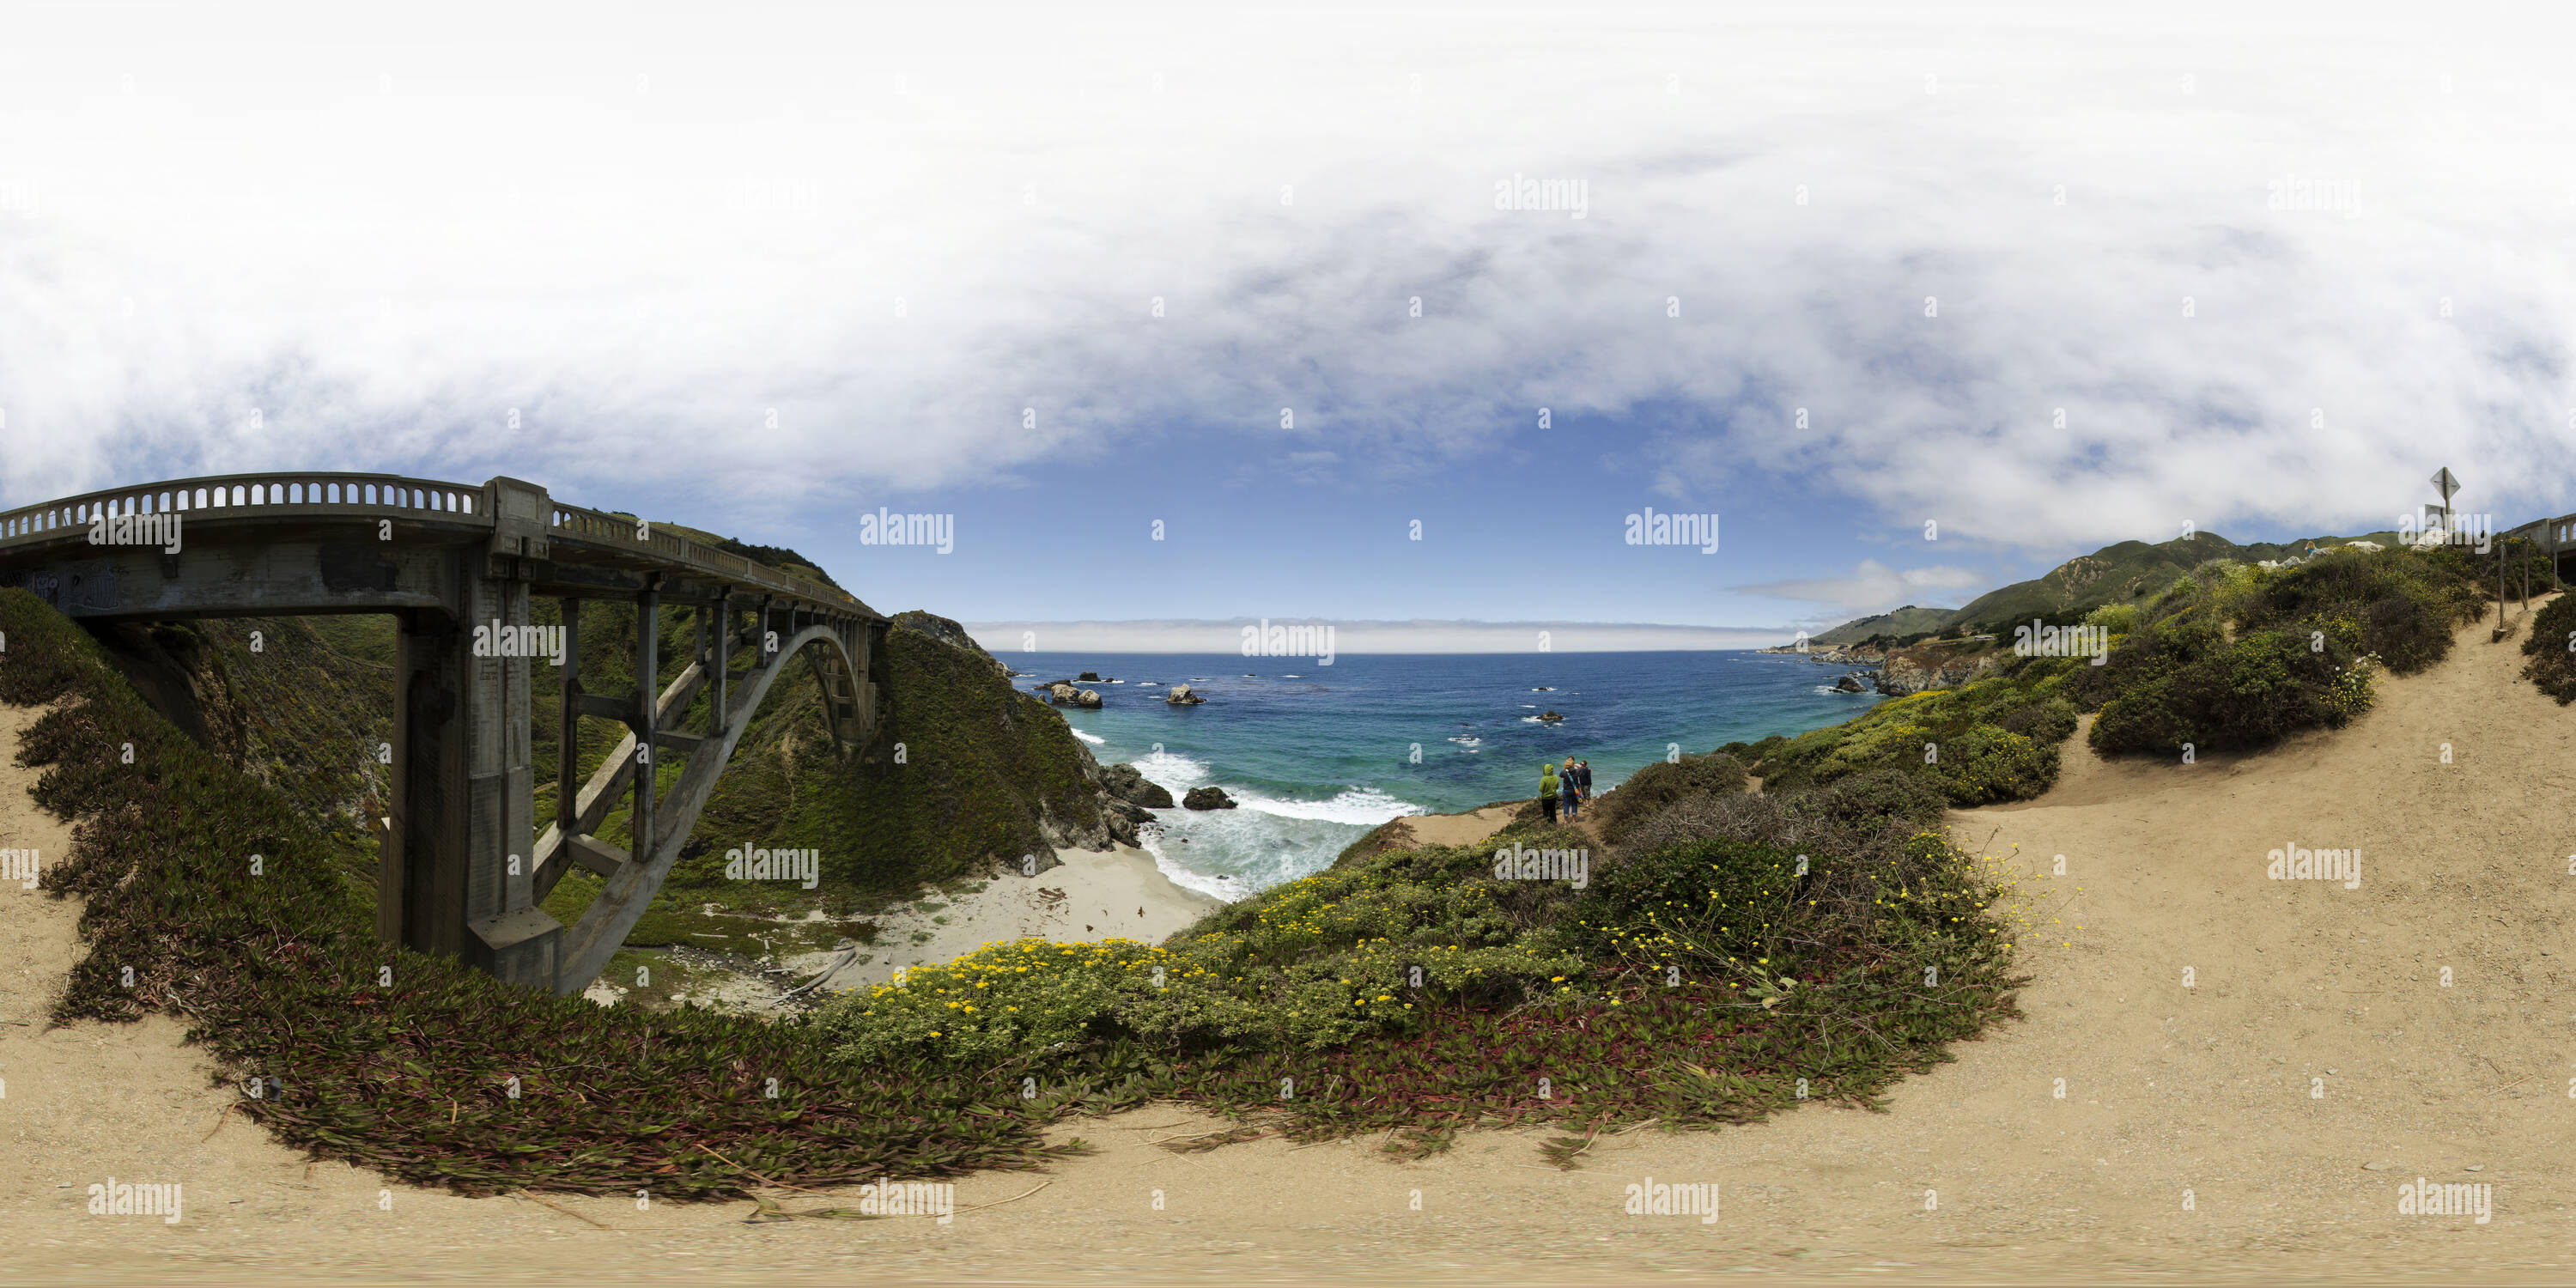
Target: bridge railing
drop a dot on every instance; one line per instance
(346, 495)
(276, 496)
(572, 522)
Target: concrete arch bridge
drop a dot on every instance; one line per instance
(463, 867)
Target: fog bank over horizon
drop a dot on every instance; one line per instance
(1364, 637)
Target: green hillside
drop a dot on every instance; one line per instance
(1908, 620)
(2114, 574)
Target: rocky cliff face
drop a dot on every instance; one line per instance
(1837, 654)
(1930, 666)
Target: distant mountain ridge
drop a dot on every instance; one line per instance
(2113, 574)
(1908, 620)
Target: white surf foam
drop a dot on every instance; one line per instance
(1363, 805)
(1171, 771)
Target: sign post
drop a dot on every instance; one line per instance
(2446, 485)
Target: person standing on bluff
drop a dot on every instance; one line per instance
(1583, 777)
(1571, 790)
(1547, 789)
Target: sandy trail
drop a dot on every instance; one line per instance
(2207, 1088)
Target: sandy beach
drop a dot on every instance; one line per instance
(1092, 895)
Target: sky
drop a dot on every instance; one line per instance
(1189, 317)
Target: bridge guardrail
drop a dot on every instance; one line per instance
(276, 495)
(601, 528)
(357, 495)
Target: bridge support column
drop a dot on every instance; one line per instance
(720, 665)
(640, 823)
(458, 866)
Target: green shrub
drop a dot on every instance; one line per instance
(1770, 894)
(1008, 999)
(2183, 593)
(2046, 722)
(1873, 800)
(2265, 685)
(2146, 718)
(2115, 619)
(2552, 649)
(2163, 646)
(1710, 902)
(1660, 784)
(1983, 764)
(2399, 606)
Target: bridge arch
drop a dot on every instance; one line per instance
(634, 876)
(461, 868)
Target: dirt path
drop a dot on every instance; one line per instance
(2207, 1088)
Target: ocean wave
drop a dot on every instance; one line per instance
(1222, 887)
(1266, 841)
(1363, 805)
(1171, 771)
(1094, 741)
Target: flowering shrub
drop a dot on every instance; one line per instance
(2351, 691)
(1306, 965)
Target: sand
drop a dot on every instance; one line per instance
(2168, 1089)
(1460, 829)
(1095, 894)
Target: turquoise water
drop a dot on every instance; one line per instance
(1316, 755)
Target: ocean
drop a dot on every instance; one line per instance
(1314, 756)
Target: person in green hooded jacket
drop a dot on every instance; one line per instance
(1547, 789)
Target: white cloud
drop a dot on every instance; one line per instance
(648, 269)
